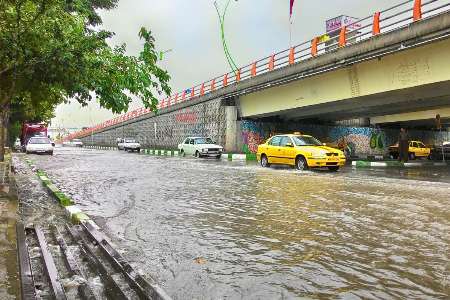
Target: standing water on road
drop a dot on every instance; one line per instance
(206, 229)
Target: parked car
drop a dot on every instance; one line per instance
(40, 145)
(301, 151)
(416, 149)
(129, 145)
(73, 143)
(120, 143)
(200, 147)
(438, 151)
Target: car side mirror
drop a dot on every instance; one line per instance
(290, 145)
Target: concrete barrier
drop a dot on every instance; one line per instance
(396, 164)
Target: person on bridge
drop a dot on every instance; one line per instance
(403, 145)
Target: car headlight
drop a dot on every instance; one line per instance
(204, 150)
(319, 157)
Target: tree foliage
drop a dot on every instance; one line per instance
(55, 50)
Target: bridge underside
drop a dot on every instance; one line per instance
(413, 80)
(427, 97)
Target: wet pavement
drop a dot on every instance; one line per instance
(208, 229)
(9, 282)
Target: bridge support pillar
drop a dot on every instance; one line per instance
(364, 122)
(231, 128)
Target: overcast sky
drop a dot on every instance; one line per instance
(254, 29)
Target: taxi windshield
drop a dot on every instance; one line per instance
(306, 141)
(130, 141)
(201, 141)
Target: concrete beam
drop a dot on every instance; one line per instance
(444, 112)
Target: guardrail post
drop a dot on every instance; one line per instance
(238, 75)
(343, 36)
(253, 70)
(272, 62)
(314, 44)
(176, 98)
(225, 80)
(183, 96)
(292, 56)
(417, 14)
(193, 92)
(213, 85)
(376, 23)
(202, 90)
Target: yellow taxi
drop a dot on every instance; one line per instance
(301, 151)
(416, 149)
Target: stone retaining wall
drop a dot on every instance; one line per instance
(168, 130)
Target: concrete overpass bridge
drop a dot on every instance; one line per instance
(389, 67)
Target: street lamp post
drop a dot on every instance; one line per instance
(161, 53)
(222, 16)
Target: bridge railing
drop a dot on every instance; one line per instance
(381, 22)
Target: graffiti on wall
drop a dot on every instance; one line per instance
(187, 117)
(354, 141)
(252, 136)
(357, 140)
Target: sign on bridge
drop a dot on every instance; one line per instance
(338, 22)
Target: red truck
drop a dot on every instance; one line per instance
(29, 130)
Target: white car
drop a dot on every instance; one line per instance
(40, 145)
(73, 143)
(200, 147)
(129, 145)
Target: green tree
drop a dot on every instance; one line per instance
(55, 50)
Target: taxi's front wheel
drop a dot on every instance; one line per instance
(301, 164)
(264, 161)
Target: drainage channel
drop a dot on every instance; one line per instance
(77, 262)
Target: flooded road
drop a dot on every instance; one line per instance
(205, 229)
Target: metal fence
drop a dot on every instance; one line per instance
(381, 22)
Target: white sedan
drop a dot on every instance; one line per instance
(40, 145)
(73, 143)
(200, 147)
(129, 145)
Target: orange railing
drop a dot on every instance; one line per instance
(393, 18)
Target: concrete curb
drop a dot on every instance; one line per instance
(73, 212)
(165, 152)
(225, 156)
(396, 164)
(156, 152)
(101, 148)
